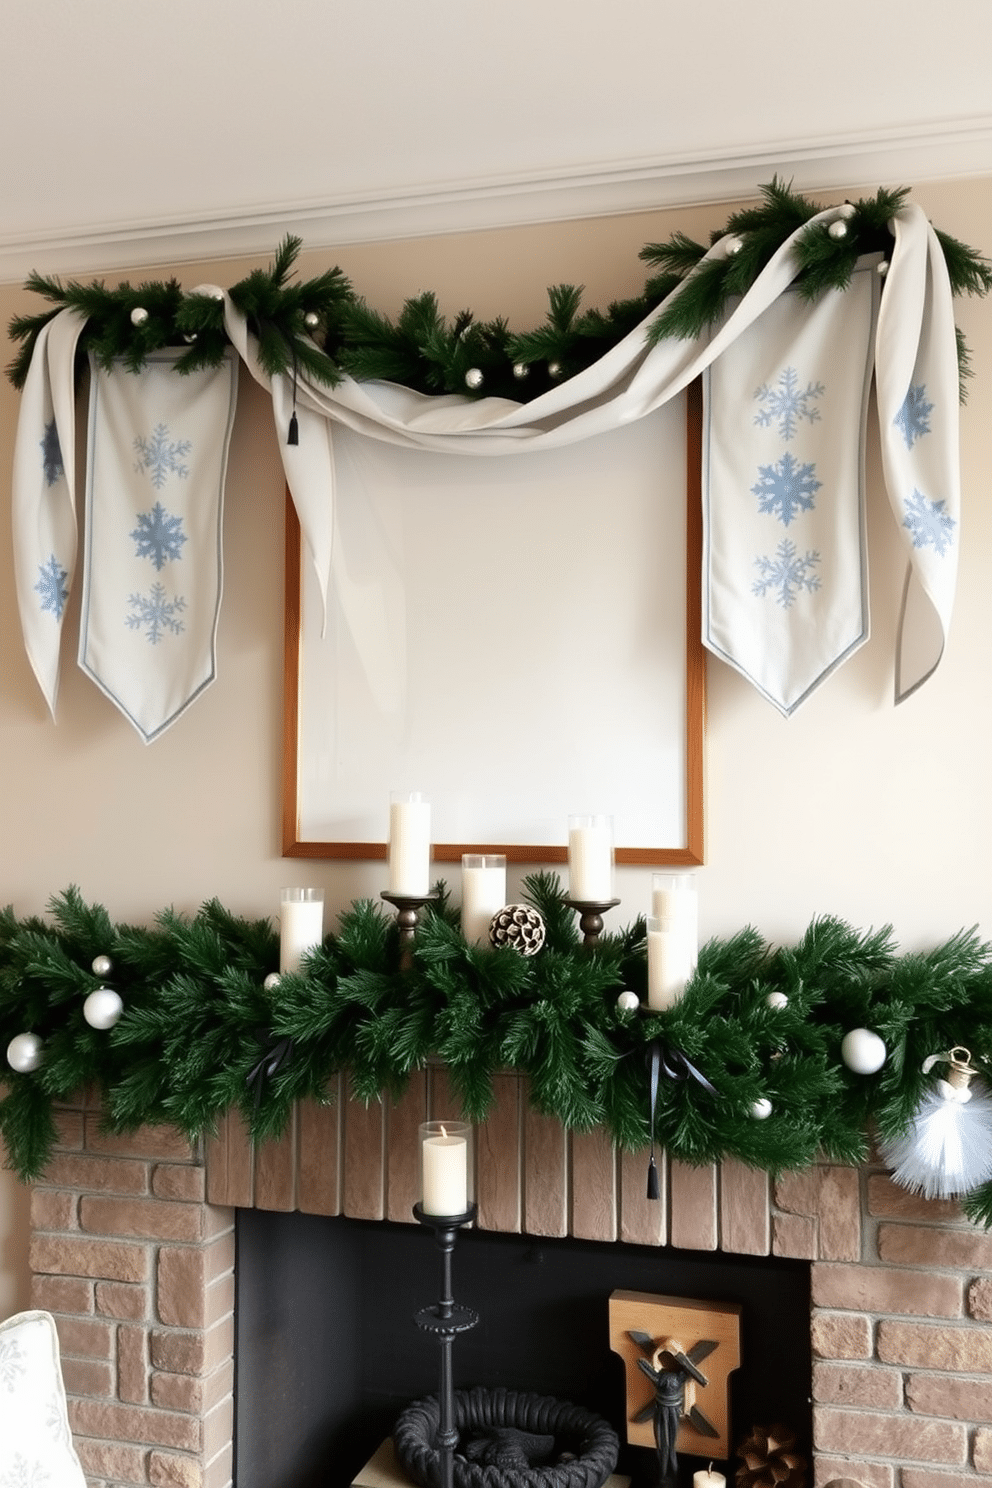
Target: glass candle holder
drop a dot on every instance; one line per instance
(447, 1170)
(409, 844)
(590, 859)
(301, 925)
(483, 893)
(671, 962)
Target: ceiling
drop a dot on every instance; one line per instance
(149, 131)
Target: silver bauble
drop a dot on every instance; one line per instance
(25, 1052)
(761, 1109)
(102, 966)
(628, 1002)
(272, 981)
(103, 1008)
(838, 229)
(862, 1051)
(474, 378)
(139, 315)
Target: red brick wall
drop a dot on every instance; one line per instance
(132, 1251)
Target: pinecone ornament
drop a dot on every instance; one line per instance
(769, 1459)
(519, 926)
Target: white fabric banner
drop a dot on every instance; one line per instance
(156, 462)
(917, 387)
(785, 578)
(43, 497)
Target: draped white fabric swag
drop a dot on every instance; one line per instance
(916, 374)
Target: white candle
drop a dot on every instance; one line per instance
(301, 925)
(483, 893)
(409, 845)
(708, 1479)
(590, 859)
(444, 1155)
(670, 964)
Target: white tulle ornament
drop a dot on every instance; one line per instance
(948, 1148)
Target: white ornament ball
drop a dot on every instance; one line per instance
(628, 1002)
(862, 1051)
(473, 378)
(554, 369)
(520, 371)
(761, 1109)
(24, 1053)
(847, 209)
(103, 1008)
(102, 966)
(139, 315)
(838, 229)
(733, 246)
(777, 1000)
(311, 320)
(272, 981)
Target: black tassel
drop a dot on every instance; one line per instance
(293, 436)
(654, 1191)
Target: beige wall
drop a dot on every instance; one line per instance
(850, 808)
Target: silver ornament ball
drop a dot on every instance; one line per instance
(473, 378)
(520, 371)
(838, 229)
(554, 369)
(777, 1000)
(103, 1008)
(862, 1051)
(102, 966)
(733, 246)
(761, 1109)
(628, 1002)
(272, 981)
(139, 315)
(25, 1053)
(311, 320)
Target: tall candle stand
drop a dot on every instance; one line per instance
(408, 907)
(590, 912)
(446, 1320)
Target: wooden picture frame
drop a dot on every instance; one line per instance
(687, 852)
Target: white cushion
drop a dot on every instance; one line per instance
(35, 1441)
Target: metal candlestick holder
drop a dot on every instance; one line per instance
(408, 907)
(446, 1320)
(590, 912)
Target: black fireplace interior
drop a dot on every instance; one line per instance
(328, 1353)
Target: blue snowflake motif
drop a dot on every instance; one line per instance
(155, 614)
(928, 523)
(160, 458)
(786, 573)
(786, 403)
(786, 488)
(52, 587)
(913, 418)
(158, 536)
(51, 455)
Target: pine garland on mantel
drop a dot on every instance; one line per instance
(321, 324)
(201, 1031)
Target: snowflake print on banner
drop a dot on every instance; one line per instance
(928, 523)
(51, 586)
(158, 536)
(160, 458)
(913, 418)
(786, 488)
(51, 455)
(156, 614)
(786, 403)
(12, 1365)
(786, 574)
(25, 1474)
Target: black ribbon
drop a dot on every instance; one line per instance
(278, 1053)
(673, 1064)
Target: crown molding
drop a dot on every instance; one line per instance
(948, 151)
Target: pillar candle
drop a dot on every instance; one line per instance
(708, 1479)
(301, 925)
(409, 845)
(483, 893)
(444, 1156)
(670, 963)
(590, 859)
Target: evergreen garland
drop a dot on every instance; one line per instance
(322, 326)
(201, 1033)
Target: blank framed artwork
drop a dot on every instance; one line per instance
(515, 636)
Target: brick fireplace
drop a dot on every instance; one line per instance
(133, 1251)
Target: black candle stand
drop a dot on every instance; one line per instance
(408, 907)
(446, 1320)
(590, 912)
